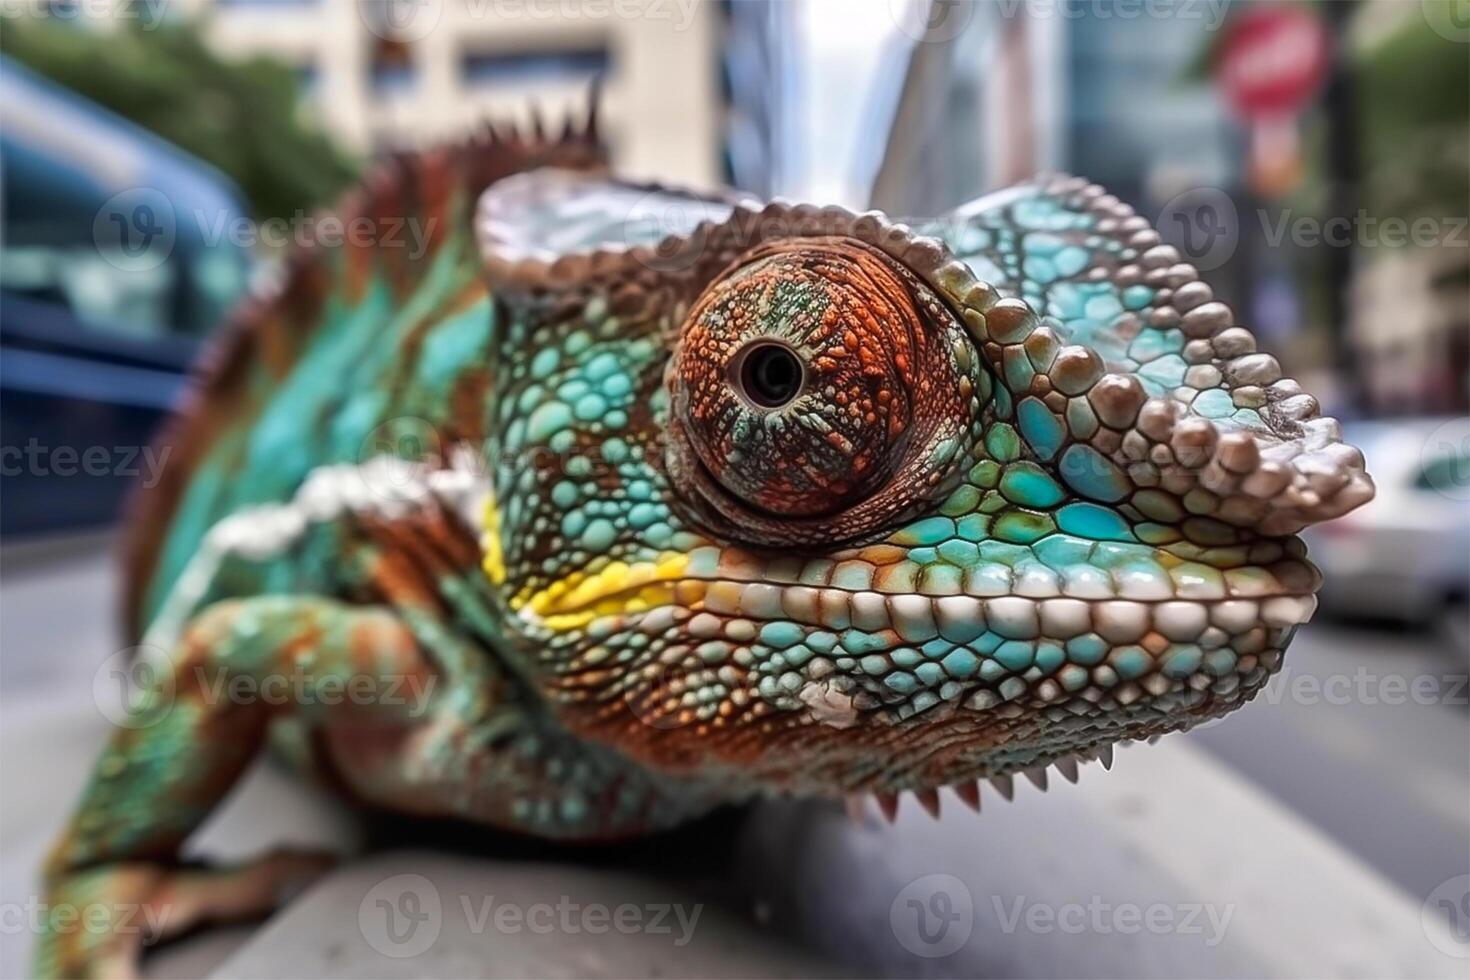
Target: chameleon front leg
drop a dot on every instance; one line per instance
(113, 879)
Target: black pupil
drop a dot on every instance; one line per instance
(771, 375)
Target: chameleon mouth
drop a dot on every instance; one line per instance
(873, 684)
(840, 659)
(863, 594)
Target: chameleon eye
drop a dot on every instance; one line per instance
(806, 380)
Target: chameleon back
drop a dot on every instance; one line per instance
(362, 344)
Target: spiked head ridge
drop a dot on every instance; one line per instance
(791, 499)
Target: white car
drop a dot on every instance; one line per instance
(1405, 555)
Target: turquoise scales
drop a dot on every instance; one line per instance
(665, 500)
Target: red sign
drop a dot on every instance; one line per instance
(1273, 60)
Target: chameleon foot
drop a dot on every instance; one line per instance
(99, 920)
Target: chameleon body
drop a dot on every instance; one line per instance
(620, 503)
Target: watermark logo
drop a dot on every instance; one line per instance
(1445, 917)
(933, 916)
(401, 916)
(134, 688)
(135, 229)
(401, 20)
(1444, 459)
(1450, 19)
(933, 21)
(402, 452)
(658, 701)
(1203, 224)
(661, 223)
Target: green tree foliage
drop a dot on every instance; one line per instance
(1414, 95)
(1413, 113)
(244, 117)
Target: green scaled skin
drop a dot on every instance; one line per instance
(1028, 491)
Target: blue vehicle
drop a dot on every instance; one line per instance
(116, 264)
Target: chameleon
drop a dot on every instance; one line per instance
(622, 502)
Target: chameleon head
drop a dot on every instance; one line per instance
(864, 523)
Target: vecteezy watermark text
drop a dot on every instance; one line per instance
(1099, 916)
(406, 21)
(402, 916)
(37, 459)
(934, 917)
(944, 20)
(94, 918)
(1205, 225)
(327, 230)
(149, 13)
(1367, 687)
(136, 230)
(136, 688)
(1364, 230)
(1211, 13)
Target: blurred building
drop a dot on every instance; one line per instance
(1125, 96)
(996, 92)
(755, 77)
(390, 73)
(1411, 328)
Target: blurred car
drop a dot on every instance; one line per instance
(111, 276)
(1405, 555)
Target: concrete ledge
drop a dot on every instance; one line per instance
(1171, 865)
(422, 914)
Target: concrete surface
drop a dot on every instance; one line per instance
(1341, 737)
(1168, 866)
(423, 914)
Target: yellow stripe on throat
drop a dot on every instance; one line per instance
(617, 589)
(493, 561)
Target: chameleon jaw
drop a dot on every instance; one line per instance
(1071, 676)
